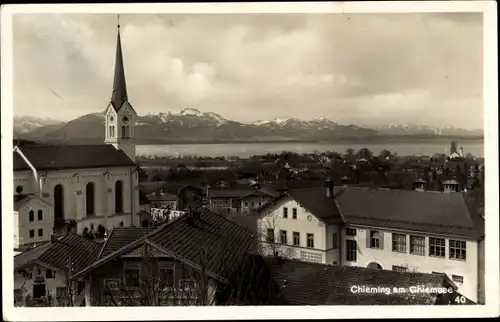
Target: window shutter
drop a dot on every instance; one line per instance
(368, 239)
(381, 234)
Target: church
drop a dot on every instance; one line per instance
(81, 188)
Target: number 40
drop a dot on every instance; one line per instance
(460, 299)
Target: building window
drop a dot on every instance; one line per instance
(374, 239)
(285, 212)
(49, 273)
(167, 277)
(310, 240)
(284, 239)
(118, 197)
(90, 195)
(294, 213)
(335, 243)
(437, 247)
(399, 268)
(311, 257)
(296, 238)
(351, 250)
(32, 233)
(270, 235)
(458, 249)
(246, 203)
(399, 243)
(187, 285)
(132, 277)
(417, 245)
(58, 202)
(457, 279)
(32, 215)
(350, 232)
(40, 214)
(40, 232)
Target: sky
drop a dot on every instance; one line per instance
(365, 69)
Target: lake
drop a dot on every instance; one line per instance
(248, 149)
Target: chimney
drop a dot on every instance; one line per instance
(329, 188)
(53, 238)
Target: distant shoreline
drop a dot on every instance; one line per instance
(402, 139)
(356, 141)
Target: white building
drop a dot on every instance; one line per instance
(81, 187)
(378, 228)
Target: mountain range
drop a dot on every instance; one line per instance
(193, 126)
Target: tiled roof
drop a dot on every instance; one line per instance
(433, 212)
(82, 252)
(175, 187)
(303, 283)
(121, 237)
(316, 202)
(55, 157)
(225, 243)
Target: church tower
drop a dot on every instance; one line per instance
(120, 116)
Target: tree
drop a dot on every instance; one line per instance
(384, 154)
(364, 153)
(349, 152)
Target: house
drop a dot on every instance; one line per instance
(81, 187)
(181, 263)
(188, 195)
(238, 199)
(163, 200)
(41, 274)
(280, 281)
(377, 228)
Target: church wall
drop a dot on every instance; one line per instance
(74, 183)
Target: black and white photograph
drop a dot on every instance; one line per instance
(230, 155)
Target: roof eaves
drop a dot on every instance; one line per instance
(109, 257)
(105, 243)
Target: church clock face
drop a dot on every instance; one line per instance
(125, 119)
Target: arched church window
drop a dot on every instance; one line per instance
(123, 131)
(40, 214)
(118, 197)
(90, 196)
(58, 202)
(31, 215)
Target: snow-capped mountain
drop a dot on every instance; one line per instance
(191, 125)
(25, 124)
(414, 129)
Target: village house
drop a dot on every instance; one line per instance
(378, 228)
(243, 200)
(41, 274)
(181, 263)
(81, 187)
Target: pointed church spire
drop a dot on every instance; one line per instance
(119, 95)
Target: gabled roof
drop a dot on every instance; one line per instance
(314, 201)
(21, 200)
(199, 239)
(239, 193)
(58, 157)
(429, 211)
(55, 255)
(451, 182)
(120, 237)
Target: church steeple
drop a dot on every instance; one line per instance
(119, 95)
